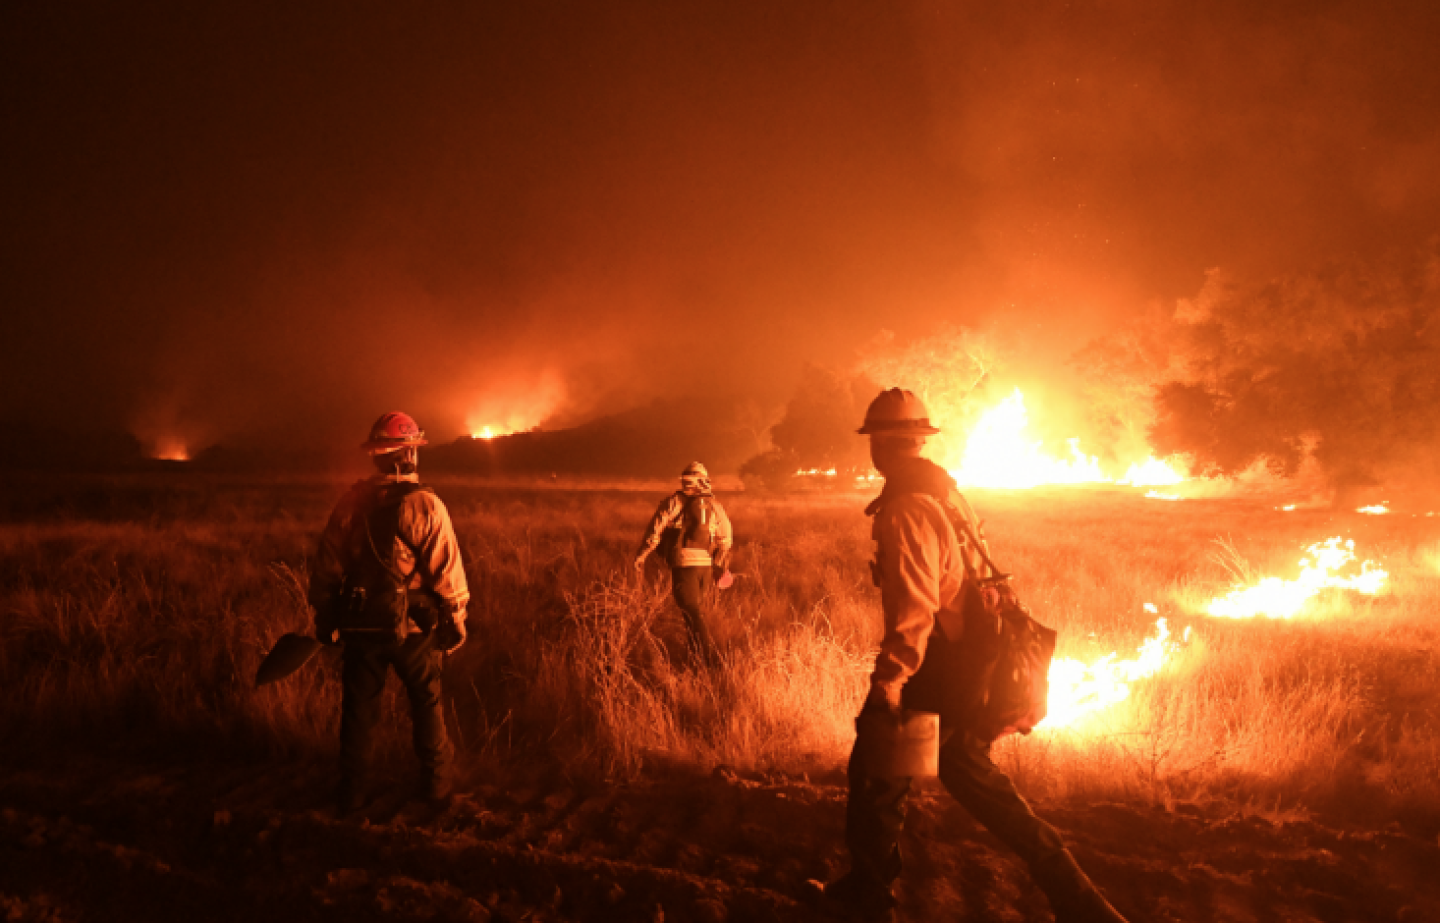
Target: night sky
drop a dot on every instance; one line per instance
(240, 222)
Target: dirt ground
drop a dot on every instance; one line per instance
(113, 840)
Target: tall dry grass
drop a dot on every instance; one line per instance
(135, 614)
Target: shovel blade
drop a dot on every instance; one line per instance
(289, 654)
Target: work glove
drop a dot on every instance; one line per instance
(883, 701)
(451, 634)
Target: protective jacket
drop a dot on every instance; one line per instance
(698, 529)
(920, 567)
(390, 522)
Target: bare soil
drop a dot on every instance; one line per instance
(112, 839)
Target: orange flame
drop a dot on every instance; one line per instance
(1275, 598)
(1000, 454)
(171, 449)
(1078, 689)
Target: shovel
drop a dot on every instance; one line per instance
(289, 654)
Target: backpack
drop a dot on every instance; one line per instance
(693, 528)
(375, 604)
(995, 679)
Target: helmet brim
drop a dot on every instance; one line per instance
(898, 429)
(375, 447)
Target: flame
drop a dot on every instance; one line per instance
(486, 433)
(170, 450)
(1282, 599)
(1152, 472)
(1078, 689)
(1287, 508)
(1377, 509)
(999, 454)
(1157, 495)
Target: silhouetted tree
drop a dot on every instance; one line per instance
(1342, 365)
(817, 430)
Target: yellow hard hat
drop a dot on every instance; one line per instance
(897, 412)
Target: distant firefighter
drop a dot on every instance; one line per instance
(389, 586)
(927, 565)
(693, 533)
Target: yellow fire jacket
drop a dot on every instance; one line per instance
(920, 566)
(426, 550)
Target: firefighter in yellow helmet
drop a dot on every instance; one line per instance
(925, 567)
(694, 534)
(388, 584)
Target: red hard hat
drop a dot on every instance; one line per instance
(898, 412)
(395, 430)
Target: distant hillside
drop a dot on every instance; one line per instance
(657, 440)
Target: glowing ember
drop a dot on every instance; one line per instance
(1275, 598)
(1377, 509)
(1157, 495)
(999, 454)
(1152, 472)
(1078, 689)
(816, 473)
(1287, 508)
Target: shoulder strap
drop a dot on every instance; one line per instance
(962, 523)
(388, 498)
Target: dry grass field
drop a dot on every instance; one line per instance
(133, 612)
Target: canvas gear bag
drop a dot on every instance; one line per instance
(374, 603)
(995, 679)
(1015, 666)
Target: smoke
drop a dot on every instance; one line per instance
(255, 225)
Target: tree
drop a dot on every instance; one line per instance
(1341, 364)
(817, 430)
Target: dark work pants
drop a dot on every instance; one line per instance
(366, 665)
(876, 810)
(691, 584)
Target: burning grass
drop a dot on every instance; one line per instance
(137, 614)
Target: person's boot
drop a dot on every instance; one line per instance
(1073, 896)
(849, 897)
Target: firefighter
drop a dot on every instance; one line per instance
(389, 585)
(693, 534)
(924, 591)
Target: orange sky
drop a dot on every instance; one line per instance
(266, 220)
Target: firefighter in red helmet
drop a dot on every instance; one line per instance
(927, 565)
(389, 584)
(694, 535)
